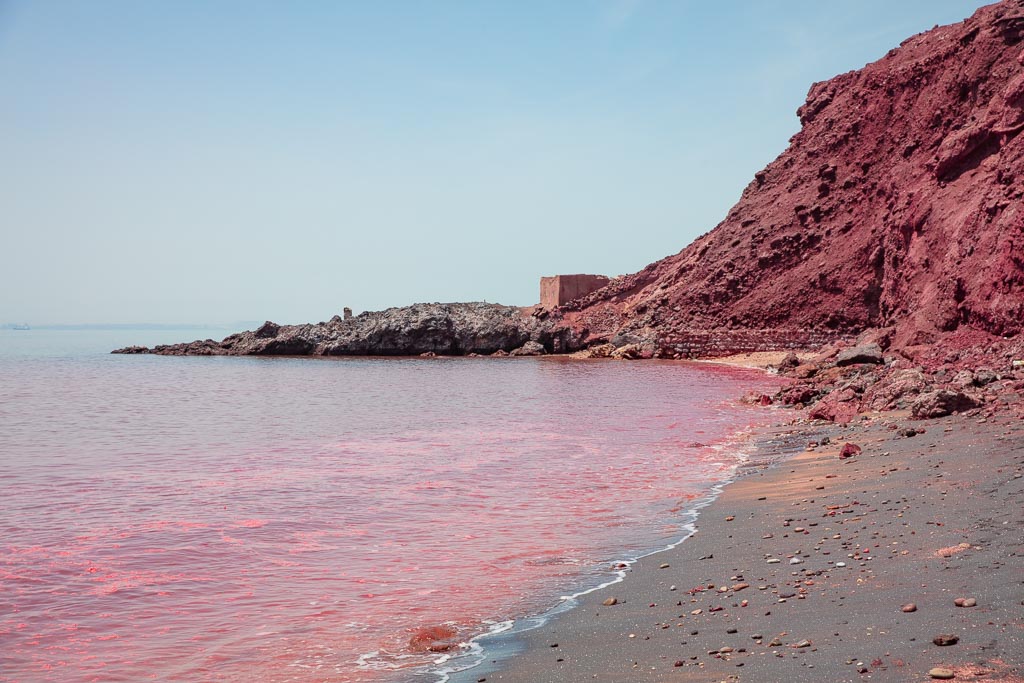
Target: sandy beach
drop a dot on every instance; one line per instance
(819, 568)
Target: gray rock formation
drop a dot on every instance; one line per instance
(444, 329)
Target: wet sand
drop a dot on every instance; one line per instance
(800, 571)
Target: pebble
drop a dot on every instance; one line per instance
(774, 560)
(840, 564)
(944, 639)
(729, 518)
(795, 560)
(965, 602)
(909, 607)
(941, 674)
(610, 601)
(663, 565)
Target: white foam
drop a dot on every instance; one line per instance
(475, 654)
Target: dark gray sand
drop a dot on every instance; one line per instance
(800, 572)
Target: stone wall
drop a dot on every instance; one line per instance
(561, 289)
(712, 343)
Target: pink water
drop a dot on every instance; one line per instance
(232, 519)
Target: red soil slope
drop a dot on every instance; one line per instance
(898, 204)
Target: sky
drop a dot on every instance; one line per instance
(208, 162)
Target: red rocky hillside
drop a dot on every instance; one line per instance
(898, 204)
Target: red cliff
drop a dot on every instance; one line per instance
(898, 204)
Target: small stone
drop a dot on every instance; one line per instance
(795, 560)
(965, 602)
(840, 564)
(849, 450)
(944, 639)
(803, 643)
(678, 662)
(731, 630)
(725, 650)
(663, 565)
(774, 560)
(909, 607)
(610, 601)
(729, 518)
(941, 674)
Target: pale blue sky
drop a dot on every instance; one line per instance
(195, 161)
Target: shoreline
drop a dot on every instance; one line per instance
(818, 619)
(757, 453)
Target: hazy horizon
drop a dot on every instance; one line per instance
(246, 161)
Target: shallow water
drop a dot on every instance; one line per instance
(243, 519)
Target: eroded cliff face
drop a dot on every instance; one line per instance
(898, 204)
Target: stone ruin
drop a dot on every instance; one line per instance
(561, 289)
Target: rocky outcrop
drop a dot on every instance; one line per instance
(897, 205)
(970, 371)
(443, 329)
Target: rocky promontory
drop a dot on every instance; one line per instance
(893, 222)
(455, 329)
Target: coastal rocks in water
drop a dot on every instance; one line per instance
(128, 350)
(789, 361)
(941, 403)
(597, 351)
(444, 329)
(530, 348)
(870, 353)
(434, 639)
(634, 351)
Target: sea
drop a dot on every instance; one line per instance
(297, 519)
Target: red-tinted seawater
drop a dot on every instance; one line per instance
(240, 519)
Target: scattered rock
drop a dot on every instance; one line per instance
(790, 360)
(849, 450)
(941, 674)
(941, 403)
(609, 602)
(946, 639)
(530, 348)
(965, 602)
(869, 353)
(909, 607)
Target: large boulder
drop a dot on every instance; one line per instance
(869, 353)
(941, 403)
